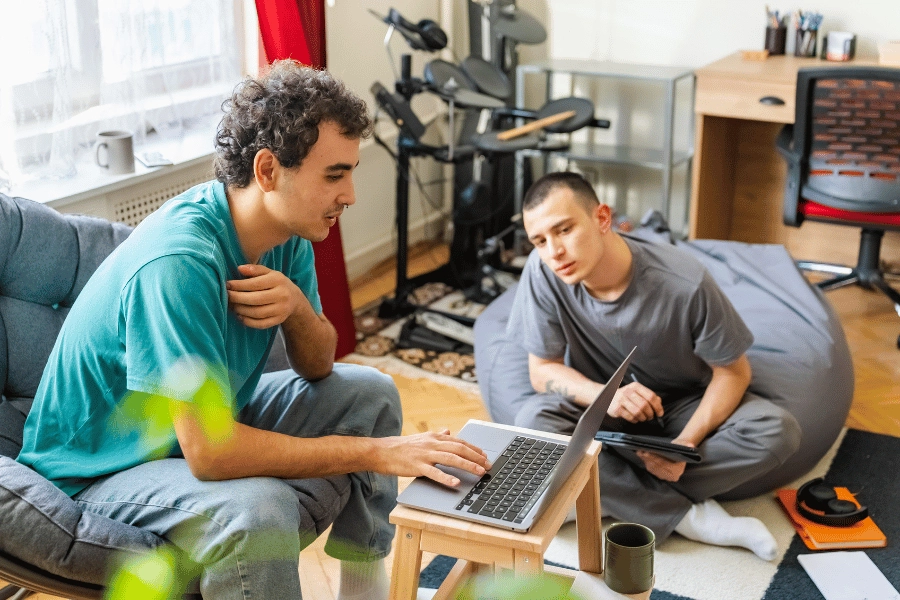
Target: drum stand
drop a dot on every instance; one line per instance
(463, 270)
(407, 147)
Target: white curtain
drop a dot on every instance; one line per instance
(71, 68)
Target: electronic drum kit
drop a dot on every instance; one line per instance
(479, 84)
(474, 84)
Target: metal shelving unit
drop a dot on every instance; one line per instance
(663, 159)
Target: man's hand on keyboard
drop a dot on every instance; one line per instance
(417, 455)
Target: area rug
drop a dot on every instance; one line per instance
(685, 570)
(376, 341)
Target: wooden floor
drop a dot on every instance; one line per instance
(872, 326)
(380, 280)
(869, 320)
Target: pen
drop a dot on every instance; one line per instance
(659, 420)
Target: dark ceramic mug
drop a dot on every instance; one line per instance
(628, 560)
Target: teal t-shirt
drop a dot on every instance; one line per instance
(157, 301)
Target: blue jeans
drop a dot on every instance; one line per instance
(247, 533)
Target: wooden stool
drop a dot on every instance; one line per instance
(481, 546)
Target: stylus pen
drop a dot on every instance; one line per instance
(659, 420)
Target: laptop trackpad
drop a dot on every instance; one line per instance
(426, 493)
(467, 479)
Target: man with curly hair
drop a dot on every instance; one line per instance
(187, 310)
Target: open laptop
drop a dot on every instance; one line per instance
(527, 471)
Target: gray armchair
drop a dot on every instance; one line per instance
(47, 543)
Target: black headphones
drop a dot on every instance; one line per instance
(818, 502)
(424, 35)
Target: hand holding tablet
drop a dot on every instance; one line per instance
(650, 443)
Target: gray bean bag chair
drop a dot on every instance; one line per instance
(800, 357)
(46, 542)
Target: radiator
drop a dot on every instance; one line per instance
(131, 203)
(136, 202)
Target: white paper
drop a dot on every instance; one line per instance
(847, 576)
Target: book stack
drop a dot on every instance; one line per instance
(864, 534)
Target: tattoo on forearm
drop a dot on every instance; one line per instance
(559, 388)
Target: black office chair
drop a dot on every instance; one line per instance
(843, 155)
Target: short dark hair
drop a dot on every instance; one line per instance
(282, 111)
(543, 187)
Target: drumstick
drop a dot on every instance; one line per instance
(535, 125)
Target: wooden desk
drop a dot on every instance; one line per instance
(738, 176)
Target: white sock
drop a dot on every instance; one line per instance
(363, 580)
(708, 522)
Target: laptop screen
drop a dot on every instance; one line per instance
(588, 425)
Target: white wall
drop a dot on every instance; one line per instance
(697, 32)
(356, 54)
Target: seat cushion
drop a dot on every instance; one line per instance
(819, 212)
(46, 258)
(11, 424)
(44, 527)
(501, 363)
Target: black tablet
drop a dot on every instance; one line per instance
(659, 445)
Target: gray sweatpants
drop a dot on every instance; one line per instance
(755, 439)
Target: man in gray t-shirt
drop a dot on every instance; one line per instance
(672, 310)
(587, 296)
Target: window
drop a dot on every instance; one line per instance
(177, 32)
(30, 31)
(81, 66)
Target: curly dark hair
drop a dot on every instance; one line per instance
(282, 111)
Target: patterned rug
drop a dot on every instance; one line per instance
(376, 344)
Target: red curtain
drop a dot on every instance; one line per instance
(296, 29)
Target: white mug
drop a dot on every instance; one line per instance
(119, 153)
(840, 45)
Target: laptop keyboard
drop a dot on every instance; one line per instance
(516, 480)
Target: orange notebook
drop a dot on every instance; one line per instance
(864, 534)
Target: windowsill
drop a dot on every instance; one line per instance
(195, 146)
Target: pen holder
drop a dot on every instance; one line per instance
(806, 42)
(775, 39)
